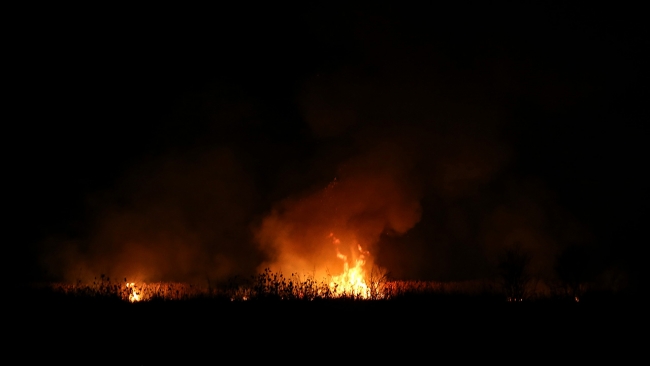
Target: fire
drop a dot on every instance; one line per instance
(332, 229)
(353, 280)
(134, 294)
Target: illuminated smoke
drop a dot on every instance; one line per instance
(177, 218)
(356, 209)
(423, 162)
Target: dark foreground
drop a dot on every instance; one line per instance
(443, 326)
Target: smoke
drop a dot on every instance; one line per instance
(431, 187)
(180, 217)
(356, 208)
(406, 146)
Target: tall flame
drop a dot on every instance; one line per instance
(353, 280)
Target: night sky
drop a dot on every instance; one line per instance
(181, 139)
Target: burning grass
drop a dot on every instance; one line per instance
(130, 291)
(272, 286)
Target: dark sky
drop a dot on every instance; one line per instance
(177, 137)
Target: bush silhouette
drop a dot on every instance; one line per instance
(514, 271)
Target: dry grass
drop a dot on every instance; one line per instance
(270, 286)
(127, 291)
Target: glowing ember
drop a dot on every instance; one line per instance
(352, 281)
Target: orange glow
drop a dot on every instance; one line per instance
(134, 293)
(352, 281)
(355, 283)
(328, 233)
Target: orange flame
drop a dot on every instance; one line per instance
(353, 280)
(134, 294)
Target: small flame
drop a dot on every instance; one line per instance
(134, 295)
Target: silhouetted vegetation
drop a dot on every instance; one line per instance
(269, 287)
(514, 271)
(577, 270)
(513, 285)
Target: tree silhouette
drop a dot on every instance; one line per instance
(514, 271)
(575, 267)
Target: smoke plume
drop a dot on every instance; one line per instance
(303, 234)
(181, 217)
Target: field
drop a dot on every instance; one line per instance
(274, 312)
